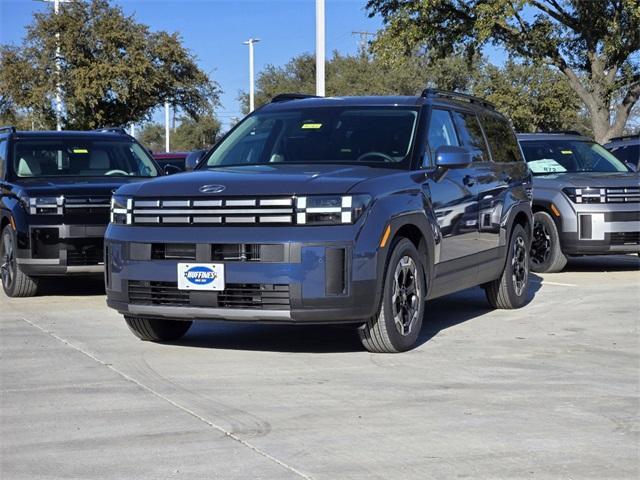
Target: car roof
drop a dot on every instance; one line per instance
(626, 140)
(372, 101)
(70, 134)
(553, 136)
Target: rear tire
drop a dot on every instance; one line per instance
(157, 330)
(14, 282)
(510, 290)
(397, 325)
(546, 253)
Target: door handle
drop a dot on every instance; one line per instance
(468, 180)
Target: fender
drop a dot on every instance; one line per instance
(509, 219)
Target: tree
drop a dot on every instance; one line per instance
(594, 44)
(535, 97)
(363, 74)
(114, 70)
(189, 135)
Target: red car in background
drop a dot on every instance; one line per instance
(175, 159)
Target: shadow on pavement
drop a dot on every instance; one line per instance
(71, 286)
(441, 314)
(603, 263)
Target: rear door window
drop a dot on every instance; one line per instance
(471, 134)
(502, 140)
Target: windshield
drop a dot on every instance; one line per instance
(370, 136)
(81, 158)
(560, 156)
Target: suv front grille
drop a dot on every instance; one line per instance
(625, 238)
(623, 195)
(607, 195)
(213, 211)
(85, 252)
(235, 295)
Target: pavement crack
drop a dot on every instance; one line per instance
(159, 395)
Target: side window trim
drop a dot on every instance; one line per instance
(4, 151)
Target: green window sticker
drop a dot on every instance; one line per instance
(311, 126)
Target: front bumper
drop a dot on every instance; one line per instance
(63, 250)
(284, 275)
(601, 229)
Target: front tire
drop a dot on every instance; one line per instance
(510, 290)
(397, 325)
(14, 282)
(546, 253)
(157, 330)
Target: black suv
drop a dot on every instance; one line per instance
(329, 210)
(55, 189)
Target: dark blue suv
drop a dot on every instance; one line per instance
(329, 210)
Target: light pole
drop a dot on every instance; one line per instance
(320, 91)
(56, 10)
(166, 127)
(250, 42)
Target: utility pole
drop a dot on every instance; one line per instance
(167, 132)
(56, 10)
(362, 43)
(250, 42)
(320, 56)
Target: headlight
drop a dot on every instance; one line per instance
(121, 210)
(586, 195)
(45, 205)
(330, 209)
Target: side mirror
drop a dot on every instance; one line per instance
(171, 169)
(192, 159)
(448, 156)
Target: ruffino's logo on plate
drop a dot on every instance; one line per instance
(200, 275)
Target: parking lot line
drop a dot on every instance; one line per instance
(159, 395)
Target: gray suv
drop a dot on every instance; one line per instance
(585, 200)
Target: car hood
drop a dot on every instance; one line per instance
(74, 187)
(587, 179)
(259, 180)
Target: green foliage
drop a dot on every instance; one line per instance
(594, 44)
(363, 75)
(189, 135)
(534, 96)
(114, 70)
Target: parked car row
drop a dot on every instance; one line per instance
(314, 210)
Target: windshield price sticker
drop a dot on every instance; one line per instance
(545, 165)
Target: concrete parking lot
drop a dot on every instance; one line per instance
(550, 391)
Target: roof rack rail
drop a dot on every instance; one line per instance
(436, 92)
(8, 128)
(111, 130)
(284, 97)
(624, 137)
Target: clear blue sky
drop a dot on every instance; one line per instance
(215, 29)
